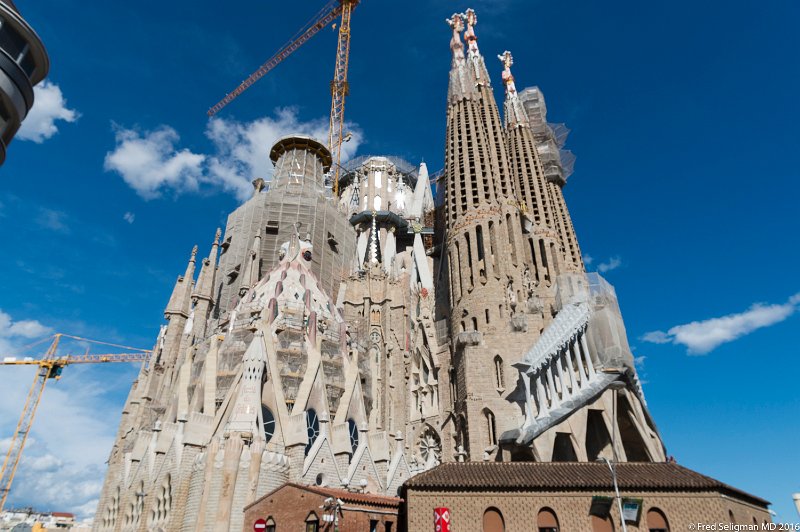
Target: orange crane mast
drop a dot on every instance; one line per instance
(339, 85)
(50, 367)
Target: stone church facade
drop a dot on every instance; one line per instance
(355, 341)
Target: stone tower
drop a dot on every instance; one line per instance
(484, 248)
(538, 360)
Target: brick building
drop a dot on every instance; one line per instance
(297, 507)
(551, 497)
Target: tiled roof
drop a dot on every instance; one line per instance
(569, 476)
(367, 499)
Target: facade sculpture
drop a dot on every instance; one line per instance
(354, 341)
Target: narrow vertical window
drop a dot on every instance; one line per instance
(490, 428)
(498, 372)
(479, 241)
(511, 243)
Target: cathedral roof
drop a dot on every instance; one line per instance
(573, 476)
(371, 499)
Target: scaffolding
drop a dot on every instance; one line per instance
(557, 162)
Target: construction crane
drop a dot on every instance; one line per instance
(339, 85)
(50, 367)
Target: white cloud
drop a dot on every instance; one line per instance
(639, 361)
(49, 106)
(611, 264)
(588, 259)
(129, 217)
(54, 220)
(63, 463)
(701, 337)
(151, 163)
(14, 333)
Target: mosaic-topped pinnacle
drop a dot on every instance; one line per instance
(508, 79)
(456, 23)
(469, 35)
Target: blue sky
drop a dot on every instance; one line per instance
(684, 122)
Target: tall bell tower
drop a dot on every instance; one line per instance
(484, 251)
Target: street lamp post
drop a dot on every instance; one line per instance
(616, 490)
(615, 387)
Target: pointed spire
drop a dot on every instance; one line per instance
(423, 197)
(514, 112)
(181, 301)
(456, 23)
(478, 66)
(459, 88)
(204, 289)
(469, 35)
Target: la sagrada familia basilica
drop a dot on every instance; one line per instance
(358, 339)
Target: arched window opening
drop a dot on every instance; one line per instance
(511, 243)
(479, 242)
(657, 521)
(493, 520)
(312, 428)
(547, 521)
(269, 423)
(491, 427)
(555, 257)
(469, 260)
(312, 522)
(731, 517)
(352, 428)
(474, 324)
(493, 248)
(546, 265)
(499, 378)
(457, 267)
(271, 526)
(451, 373)
(377, 203)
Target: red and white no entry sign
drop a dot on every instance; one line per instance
(260, 525)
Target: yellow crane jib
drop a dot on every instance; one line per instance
(50, 366)
(340, 87)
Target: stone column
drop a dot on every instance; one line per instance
(230, 467)
(587, 355)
